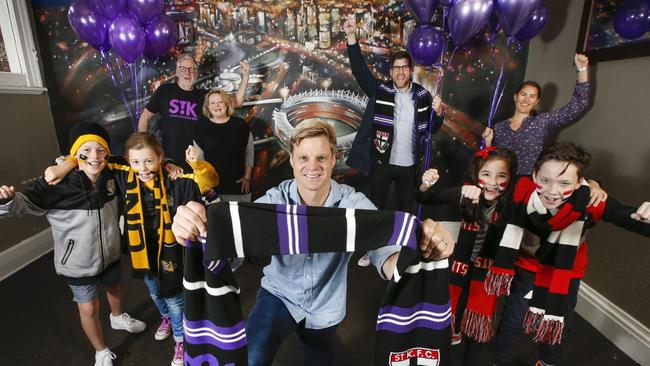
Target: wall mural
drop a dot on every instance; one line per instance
(299, 71)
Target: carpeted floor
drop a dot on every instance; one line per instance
(40, 325)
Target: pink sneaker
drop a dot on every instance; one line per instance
(164, 330)
(179, 354)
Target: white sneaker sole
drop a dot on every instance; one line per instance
(161, 337)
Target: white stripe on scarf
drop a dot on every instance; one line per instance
(236, 229)
(213, 291)
(351, 224)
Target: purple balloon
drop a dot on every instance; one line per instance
(513, 14)
(422, 10)
(145, 10)
(110, 9)
(467, 17)
(89, 26)
(127, 37)
(161, 35)
(446, 2)
(632, 20)
(426, 44)
(534, 25)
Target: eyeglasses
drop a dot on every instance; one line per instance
(186, 69)
(402, 68)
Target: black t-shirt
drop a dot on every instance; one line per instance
(179, 112)
(224, 146)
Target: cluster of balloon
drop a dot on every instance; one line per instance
(426, 43)
(522, 20)
(519, 20)
(132, 29)
(632, 19)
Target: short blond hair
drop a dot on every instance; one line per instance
(227, 99)
(313, 128)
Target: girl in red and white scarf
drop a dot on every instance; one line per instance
(481, 204)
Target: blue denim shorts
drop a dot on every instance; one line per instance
(87, 293)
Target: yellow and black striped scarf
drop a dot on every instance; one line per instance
(135, 220)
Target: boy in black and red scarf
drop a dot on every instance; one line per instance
(553, 205)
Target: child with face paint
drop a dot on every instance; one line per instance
(554, 205)
(84, 255)
(482, 202)
(151, 198)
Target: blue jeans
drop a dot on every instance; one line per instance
(270, 323)
(169, 307)
(511, 328)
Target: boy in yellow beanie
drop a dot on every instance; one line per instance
(83, 212)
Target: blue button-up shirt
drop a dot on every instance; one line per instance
(314, 286)
(403, 152)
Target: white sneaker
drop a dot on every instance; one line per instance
(104, 357)
(179, 354)
(364, 261)
(125, 322)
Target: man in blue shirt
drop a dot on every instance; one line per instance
(306, 294)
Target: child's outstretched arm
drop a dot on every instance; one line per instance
(636, 220)
(7, 193)
(205, 174)
(35, 200)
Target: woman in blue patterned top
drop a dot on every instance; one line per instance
(524, 133)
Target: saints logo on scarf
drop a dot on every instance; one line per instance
(415, 356)
(381, 141)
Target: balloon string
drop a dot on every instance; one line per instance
(119, 68)
(427, 155)
(106, 59)
(138, 84)
(143, 73)
(498, 91)
(439, 86)
(134, 92)
(436, 90)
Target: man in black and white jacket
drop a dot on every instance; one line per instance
(390, 145)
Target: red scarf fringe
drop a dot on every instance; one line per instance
(477, 326)
(549, 331)
(546, 330)
(532, 320)
(456, 336)
(497, 283)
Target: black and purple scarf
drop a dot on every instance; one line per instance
(413, 324)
